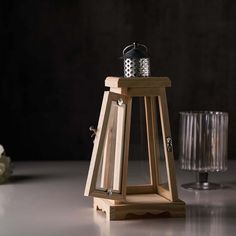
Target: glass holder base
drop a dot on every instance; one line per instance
(201, 183)
(201, 186)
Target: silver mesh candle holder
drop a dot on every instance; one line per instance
(203, 140)
(136, 61)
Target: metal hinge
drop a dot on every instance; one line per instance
(169, 144)
(94, 130)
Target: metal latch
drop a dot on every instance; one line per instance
(169, 144)
(94, 130)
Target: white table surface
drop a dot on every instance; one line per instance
(46, 199)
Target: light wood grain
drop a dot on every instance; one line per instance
(142, 82)
(169, 158)
(118, 155)
(138, 189)
(140, 205)
(97, 154)
(108, 163)
(98, 145)
(126, 146)
(136, 92)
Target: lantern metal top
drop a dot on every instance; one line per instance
(136, 61)
(135, 51)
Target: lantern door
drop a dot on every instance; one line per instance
(108, 166)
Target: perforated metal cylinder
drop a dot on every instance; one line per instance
(136, 67)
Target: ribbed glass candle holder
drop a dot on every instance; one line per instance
(203, 141)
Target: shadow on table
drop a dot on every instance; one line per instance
(231, 184)
(18, 179)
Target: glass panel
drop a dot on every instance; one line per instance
(138, 167)
(110, 168)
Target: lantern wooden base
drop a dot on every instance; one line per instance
(140, 206)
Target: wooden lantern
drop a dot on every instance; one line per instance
(107, 177)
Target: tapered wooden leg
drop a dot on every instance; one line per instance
(126, 146)
(167, 141)
(119, 147)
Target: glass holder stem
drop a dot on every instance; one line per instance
(202, 177)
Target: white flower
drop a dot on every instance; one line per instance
(5, 166)
(1, 149)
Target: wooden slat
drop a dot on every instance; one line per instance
(114, 196)
(164, 191)
(169, 158)
(98, 145)
(126, 147)
(119, 90)
(119, 141)
(135, 82)
(156, 161)
(136, 189)
(136, 92)
(105, 163)
(109, 150)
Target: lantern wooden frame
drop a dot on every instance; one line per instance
(148, 199)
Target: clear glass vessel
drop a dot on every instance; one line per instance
(203, 141)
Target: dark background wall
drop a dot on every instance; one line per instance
(55, 56)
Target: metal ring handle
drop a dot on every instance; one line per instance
(131, 45)
(135, 44)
